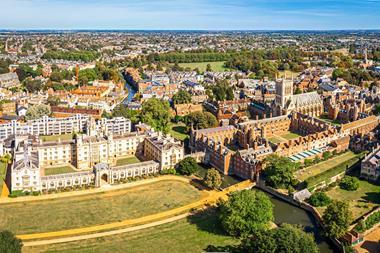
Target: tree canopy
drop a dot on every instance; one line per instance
(279, 171)
(37, 111)
(201, 120)
(246, 212)
(319, 199)
(9, 243)
(187, 166)
(284, 239)
(156, 113)
(349, 183)
(213, 179)
(182, 97)
(337, 219)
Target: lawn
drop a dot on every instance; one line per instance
(127, 160)
(187, 235)
(333, 122)
(215, 66)
(3, 173)
(178, 131)
(63, 137)
(96, 209)
(226, 180)
(288, 73)
(290, 136)
(275, 140)
(361, 201)
(321, 167)
(339, 167)
(58, 170)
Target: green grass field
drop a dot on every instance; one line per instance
(324, 166)
(96, 209)
(361, 201)
(288, 73)
(290, 136)
(127, 160)
(63, 137)
(334, 170)
(178, 131)
(275, 140)
(3, 173)
(187, 236)
(58, 170)
(215, 66)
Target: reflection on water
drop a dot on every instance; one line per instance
(286, 213)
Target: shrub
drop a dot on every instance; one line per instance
(319, 199)
(170, 171)
(349, 183)
(187, 166)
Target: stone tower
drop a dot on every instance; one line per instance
(284, 91)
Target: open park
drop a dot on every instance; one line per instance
(215, 66)
(96, 209)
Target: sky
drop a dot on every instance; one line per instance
(190, 14)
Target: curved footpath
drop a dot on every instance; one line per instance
(132, 224)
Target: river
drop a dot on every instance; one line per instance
(131, 93)
(287, 213)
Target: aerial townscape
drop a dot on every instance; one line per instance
(225, 138)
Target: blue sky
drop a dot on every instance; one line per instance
(190, 14)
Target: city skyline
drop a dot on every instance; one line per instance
(190, 15)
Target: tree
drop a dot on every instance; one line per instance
(246, 212)
(33, 85)
(201, 120)
(213, 179)
(349, 183)
(279, 171)
(319, 199)
(53, 100)
(326, 155)
(37, 111)
(208, 67)
(337, 219)
(285, 239)
(122, 110)
(156, 113)
(9, 243)
(182, 97)
(187, 166)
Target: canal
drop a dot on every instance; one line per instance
(287, 213)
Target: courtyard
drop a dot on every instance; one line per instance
(283, 137)
(127, 160)
(49, 171)
(96, 209)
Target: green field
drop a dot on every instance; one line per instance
(323, 166)
(361, 201)
(290, 136)
(215, 66)
(63, 137)
(288, 73)
(3, 173)
(187, 236)
(96, 209)
(275, 140)
(58, 170)
(178, 131)
(332, 171)
(127, 160)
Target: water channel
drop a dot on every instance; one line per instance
(287, 213)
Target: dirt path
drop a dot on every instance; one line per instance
(108, 233)
(100, 230)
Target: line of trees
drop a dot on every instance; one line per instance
(79, 55)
